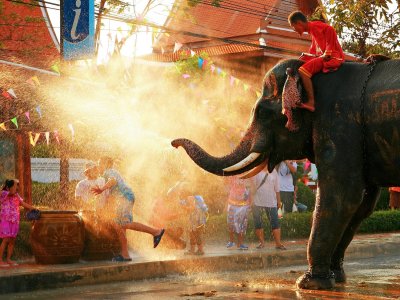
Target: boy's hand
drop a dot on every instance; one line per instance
(96, 190)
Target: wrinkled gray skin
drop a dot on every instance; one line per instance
(333, 137)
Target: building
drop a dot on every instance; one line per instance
(246, 38)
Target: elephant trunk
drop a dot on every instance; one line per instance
(216, 165)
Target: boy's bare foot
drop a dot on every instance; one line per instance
(307, 106)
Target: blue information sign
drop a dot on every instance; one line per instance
(77, 29)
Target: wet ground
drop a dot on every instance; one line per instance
(372, 278)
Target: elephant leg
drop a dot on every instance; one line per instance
(366, 208)
(336, 203)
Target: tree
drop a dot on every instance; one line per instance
(366, 26)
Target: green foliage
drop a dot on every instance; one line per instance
(48, 195)
(366, 26)
(298, 225)
(383, 201)
(381, 221)
(305, 195)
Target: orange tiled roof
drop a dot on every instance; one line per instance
(229, 20)
(211, 51)
(234, 19)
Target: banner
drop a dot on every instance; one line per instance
(77, 29)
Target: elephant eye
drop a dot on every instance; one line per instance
(263, 112)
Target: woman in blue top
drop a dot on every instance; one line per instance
(125, 198)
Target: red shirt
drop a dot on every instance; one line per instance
(324, 40)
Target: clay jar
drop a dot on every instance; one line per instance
(101, 237)
(57, 237)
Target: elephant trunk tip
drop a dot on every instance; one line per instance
(176, 143)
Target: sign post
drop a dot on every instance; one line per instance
(77, 29)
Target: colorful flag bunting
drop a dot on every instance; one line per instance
(219, 71)
(12, 93)
(200, 62)
(223, 74)
(30, 81)
(232, 81)
(246, 87)
(56, 136)
(177, 46)
(212, 68)
(55, 68)
(5, 94)
(258, 94)
(36, 80)
(47, 135)
(72, 131)
(32, 140)
(39, 111)
(192, 53)
(186, 76)
(27, 114)
(14, 120)
(3, 126)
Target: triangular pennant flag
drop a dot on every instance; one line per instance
(237, 81)
(55, 68)
(219, 71)
(177, 46)
(37, 135)
(39, 111)
(192, 53)
(27, 114)
(36, 80)
(72, 130)
(245, 86)
(14, 120)
(212, 68)
(30, 81)
(200, 62)
(31, 138)
(5, 94)
(232, 81)
(185, 76)
(3, 126)
(12, 93)
(47, 135)
(223, 74)
(258, 94)
(56, 136)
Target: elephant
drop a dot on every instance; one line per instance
(352, 137)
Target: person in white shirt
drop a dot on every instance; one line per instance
(84, 197)
(286, 170)
(266, 197)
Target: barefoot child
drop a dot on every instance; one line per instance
(10, 201)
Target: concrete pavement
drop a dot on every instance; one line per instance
(28, 276)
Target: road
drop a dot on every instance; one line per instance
(373, 278)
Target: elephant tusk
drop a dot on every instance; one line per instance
(248, 160)
(254, 171)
